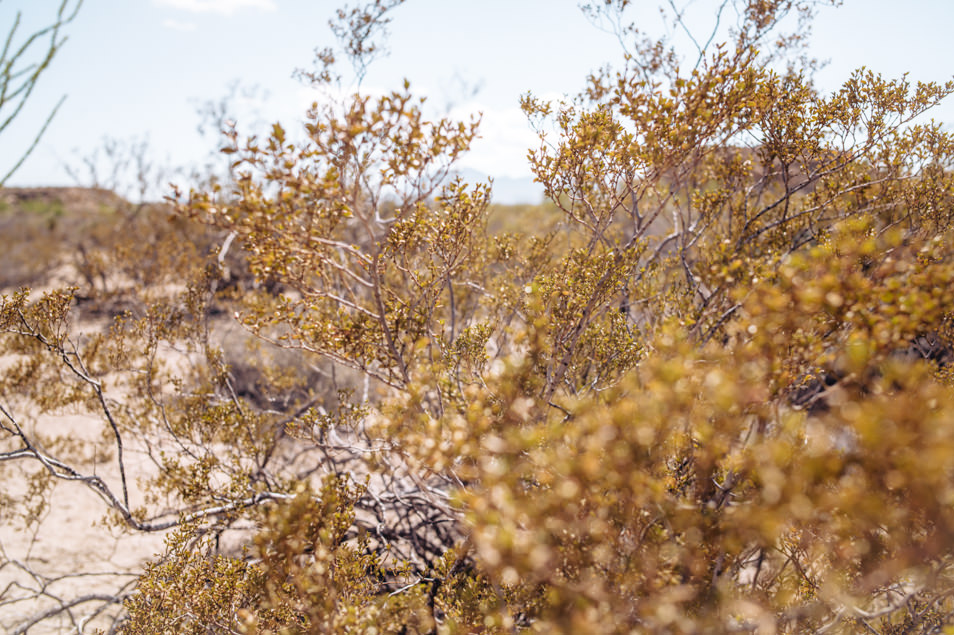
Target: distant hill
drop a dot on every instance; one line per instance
(78, 200)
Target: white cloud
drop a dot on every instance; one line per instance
(224, 7)
(505, 137)
(175, 25)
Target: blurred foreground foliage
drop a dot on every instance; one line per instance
(708, 389)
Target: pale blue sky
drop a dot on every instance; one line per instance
(138, 67)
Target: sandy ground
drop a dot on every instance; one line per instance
(71, 552)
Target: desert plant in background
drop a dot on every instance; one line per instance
(716, 397)
(22, 63)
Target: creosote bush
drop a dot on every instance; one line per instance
(713, 395)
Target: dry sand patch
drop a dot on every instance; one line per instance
(72, 551)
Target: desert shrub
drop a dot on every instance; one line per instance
(711, 394)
